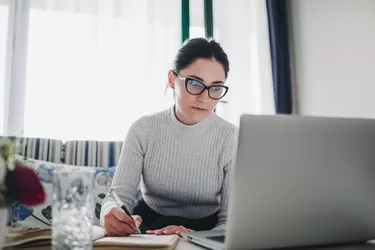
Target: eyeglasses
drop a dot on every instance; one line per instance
(195, 87)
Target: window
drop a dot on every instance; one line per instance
(89, 68)
(196, 18)
(198, 29)
(242, 30)
(93, 69)
(4, 15)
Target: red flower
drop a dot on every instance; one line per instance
(23, 184)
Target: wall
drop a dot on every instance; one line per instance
(334, 57)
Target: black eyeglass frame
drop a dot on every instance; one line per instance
(186, 79)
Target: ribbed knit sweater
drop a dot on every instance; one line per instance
(184, 170)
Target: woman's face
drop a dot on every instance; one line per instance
(191, 109)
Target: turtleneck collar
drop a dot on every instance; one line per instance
(200, 126)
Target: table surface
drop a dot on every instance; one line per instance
(187, 245)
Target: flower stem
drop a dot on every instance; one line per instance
(40, 220)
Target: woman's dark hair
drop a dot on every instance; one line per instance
(200, 48)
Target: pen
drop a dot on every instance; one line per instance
(121, 204)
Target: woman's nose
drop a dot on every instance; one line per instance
(203, 96)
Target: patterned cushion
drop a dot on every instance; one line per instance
(25, 218)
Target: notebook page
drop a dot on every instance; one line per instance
(139, 240)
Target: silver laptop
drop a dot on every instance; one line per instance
(299, 181)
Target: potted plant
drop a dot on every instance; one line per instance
(18, 182)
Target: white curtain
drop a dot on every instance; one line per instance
(95, 66)
(242, 28)
(4, 14)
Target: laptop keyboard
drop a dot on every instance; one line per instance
(220, 238)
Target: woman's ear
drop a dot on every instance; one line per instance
(171, 79)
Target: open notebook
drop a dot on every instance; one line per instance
(42, 239)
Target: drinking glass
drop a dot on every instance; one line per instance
(72, 208)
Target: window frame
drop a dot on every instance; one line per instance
(208, 24)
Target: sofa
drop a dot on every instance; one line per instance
(102, 154)
(45, 155)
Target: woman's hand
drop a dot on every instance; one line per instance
(118, 223)
(169, 230)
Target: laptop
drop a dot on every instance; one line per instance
(299, 181)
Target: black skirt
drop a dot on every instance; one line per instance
(153, 220)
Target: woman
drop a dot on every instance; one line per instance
(184, 154)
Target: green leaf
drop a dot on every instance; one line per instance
(98, 207)
(101, 196)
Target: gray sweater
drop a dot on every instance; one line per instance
(184, 170)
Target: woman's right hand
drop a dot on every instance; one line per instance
(118, 223)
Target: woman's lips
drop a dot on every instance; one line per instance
(199, 109)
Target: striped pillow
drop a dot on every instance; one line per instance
(40, 149)
(103, 154)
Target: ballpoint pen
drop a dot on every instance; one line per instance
(121, 205)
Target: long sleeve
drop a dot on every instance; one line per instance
(129, 168)
(229, 156)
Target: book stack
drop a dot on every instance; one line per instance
(41, 239)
